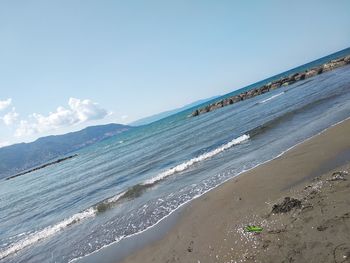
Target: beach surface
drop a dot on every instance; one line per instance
(317, 229)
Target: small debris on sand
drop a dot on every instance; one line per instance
(287, 205)
(190, 247)
(338, 176)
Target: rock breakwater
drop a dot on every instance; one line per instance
(331, 65)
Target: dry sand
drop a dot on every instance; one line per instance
(210, 228)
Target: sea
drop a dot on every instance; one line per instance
(129, 183)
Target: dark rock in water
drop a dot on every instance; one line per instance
(347, 59)
(287, 205)
(288, 80)
(195, 113)
(275, 85)
(311, 73)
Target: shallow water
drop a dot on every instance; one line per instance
(126, 184)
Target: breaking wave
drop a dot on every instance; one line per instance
(185, 165)
(37, 236)
(138, 189)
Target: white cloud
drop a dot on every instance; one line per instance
(3, 144)
(5, 103)
(11, 117)
(86, 109)
(78, 111)
(25, 128)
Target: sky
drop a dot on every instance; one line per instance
(68, 64)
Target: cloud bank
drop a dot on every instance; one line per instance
(5, 103)
(78, 111)
(4, 144)
(11, 117)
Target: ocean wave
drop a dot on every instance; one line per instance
(271, 98)
(138, 189)
(185, 165)
(46, 232)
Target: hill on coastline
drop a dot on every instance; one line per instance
(162, 115)
(23, 156)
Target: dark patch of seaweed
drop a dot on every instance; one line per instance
(132, 193)
(261, 129)
(136, 191)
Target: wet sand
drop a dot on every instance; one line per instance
(210, 229)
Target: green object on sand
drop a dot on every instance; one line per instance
(256, 229)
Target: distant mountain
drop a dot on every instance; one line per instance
(162, 115)
(19, 157)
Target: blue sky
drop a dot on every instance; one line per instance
(69, 64)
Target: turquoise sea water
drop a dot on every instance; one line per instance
(128, 183)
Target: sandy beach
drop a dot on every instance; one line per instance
(317, 229)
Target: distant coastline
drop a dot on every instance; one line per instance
(290, 79)
(22, 157)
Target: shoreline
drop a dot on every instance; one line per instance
(167, 239)
(119, 250)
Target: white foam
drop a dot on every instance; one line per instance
(46, 232)
(183, 166)
(272, 97)
(115, 198)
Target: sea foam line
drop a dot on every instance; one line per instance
(183, 166)
(272, 97)
(46, 232)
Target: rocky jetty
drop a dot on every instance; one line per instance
(333, 64)
(42, 166)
